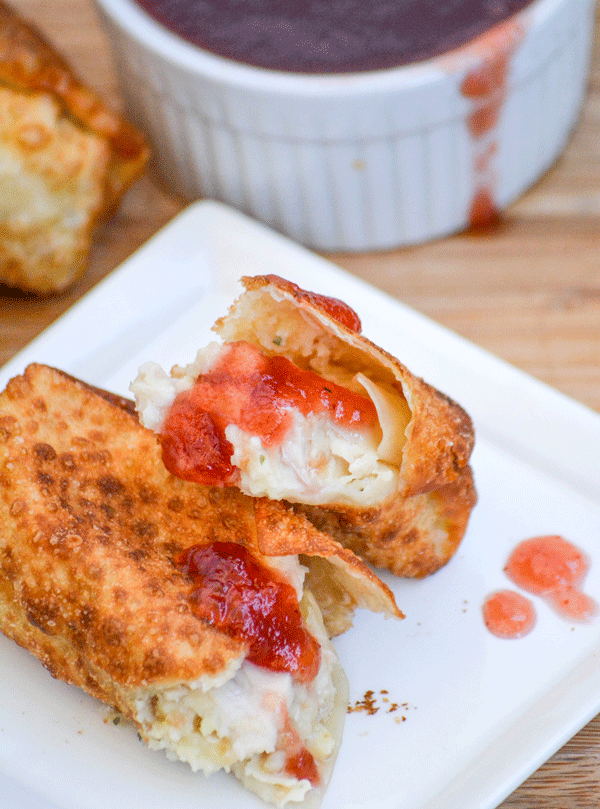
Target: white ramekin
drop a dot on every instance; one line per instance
(359, 161)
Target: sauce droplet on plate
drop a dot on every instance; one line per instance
(552, 567)
(508, 614)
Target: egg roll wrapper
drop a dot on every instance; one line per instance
(91, 524)
(417, 529)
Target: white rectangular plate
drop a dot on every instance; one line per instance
(476, 715)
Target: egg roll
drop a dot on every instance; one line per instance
(66, 158)
(187, 608)
(294, 403)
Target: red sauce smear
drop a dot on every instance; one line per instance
(486, 87)
(302, 765)
(257, 394)
(251, 602)
(299, 762)
(336, 309)
(484, 215)
(508, 614)
(552, 567)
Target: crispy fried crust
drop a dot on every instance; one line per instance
(410, 536)
(90, 523)
(337, 577)
(69, 159)
(417, 530)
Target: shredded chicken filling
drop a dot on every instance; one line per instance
(318, 462)
(247, 723)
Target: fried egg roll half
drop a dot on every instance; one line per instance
(185, 607)
(295, 404)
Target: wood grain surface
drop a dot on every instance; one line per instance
(528, 291)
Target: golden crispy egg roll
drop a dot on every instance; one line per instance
(187, 608)
(296, 404)
(66, 158)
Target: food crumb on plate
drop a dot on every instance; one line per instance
(369, 704)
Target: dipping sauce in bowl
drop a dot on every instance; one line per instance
(354, 124)
(330, 36)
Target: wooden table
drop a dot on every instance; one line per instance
(528, 291)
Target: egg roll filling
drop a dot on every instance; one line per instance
(237, 417)
(268, 719)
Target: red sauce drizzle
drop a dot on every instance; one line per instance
(249, 601)
(486, 87)
(257, 394)
(336, 309)
(508, 614)
(552, 567)
(483, 213)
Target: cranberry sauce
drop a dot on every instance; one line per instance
(245, 599)
(329, 36)
(334, 307)
(508, 614)
(258, 394)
